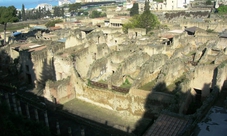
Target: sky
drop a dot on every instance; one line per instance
(27, 3)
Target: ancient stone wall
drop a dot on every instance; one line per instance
(177, 40)
(62, 67)
(97, 37)
(172, 70)
(220, 80)
(216, 26)
(76, 38)
(97, 69)
(221, 44)
(152, 49)
(203, 78)
(136, 33)
(60, 91)
(128, 67)
(88, 55)
(149, 70)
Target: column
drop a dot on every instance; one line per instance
(82, 131)
(7, 100)
(27, 111)
(69, 131)
(36, 115)
(46, 118)
(19, 107)
(58, 128)
(14, 104)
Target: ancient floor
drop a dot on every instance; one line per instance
(101, 115)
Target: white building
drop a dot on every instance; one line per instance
(62, 2)
(44, 6)
(167, 5)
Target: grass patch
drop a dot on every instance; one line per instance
(14, 27)
(148, 86)
(102, 81)
(126, 84)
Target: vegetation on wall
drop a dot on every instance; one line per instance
(53, 22)
(126, 84)
(186, 14)
(222, 9)
(97, 14)
(74, 7)
(208, 2)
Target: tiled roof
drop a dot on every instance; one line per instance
(167, 125)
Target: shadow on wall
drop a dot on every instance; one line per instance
(60, 122)
(31, 106)
(48, 73)
(189, 107)
(160, 98)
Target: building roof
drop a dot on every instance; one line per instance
(16, 33)
(167, 125)
(193, 29)
(27, 46)
(39, 28)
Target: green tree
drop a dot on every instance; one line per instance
(7, 14)
(48, 13)
(147, 5)
(23, 13)
(62, 12)
(146, 20)
(74, 7)
(134, 10)
(222, 9)
(96, 14)
(53, 22)
(19, 15)
(57, 11)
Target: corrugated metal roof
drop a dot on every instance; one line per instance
(16, 33)
(39, 28)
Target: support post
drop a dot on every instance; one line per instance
(69, 131)
(36, 115)
(27, 111)
(19, 107)
(82, 131)
(58, 128)
(7, 100)
(46, 118)
(14, 104)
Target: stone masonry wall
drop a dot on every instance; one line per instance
(172, 70)
(150, 69)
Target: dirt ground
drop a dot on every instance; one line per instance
(101, 115)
